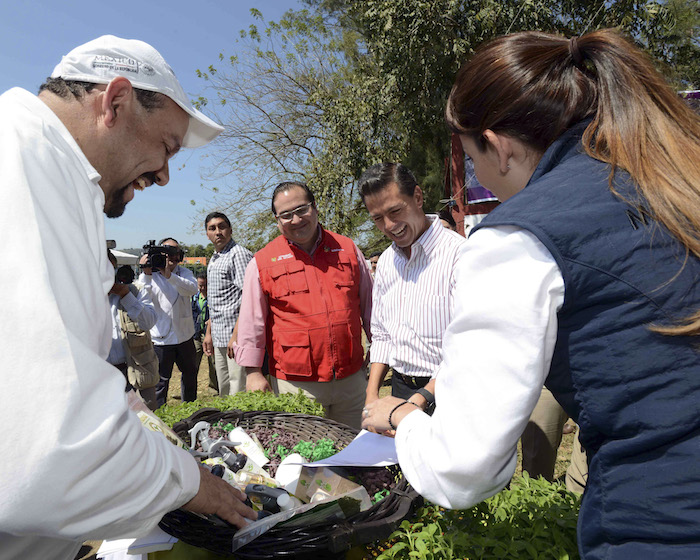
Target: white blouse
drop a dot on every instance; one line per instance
(496, 355)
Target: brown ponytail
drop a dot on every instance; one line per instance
(533, 86)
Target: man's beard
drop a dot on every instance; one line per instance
(115, 205)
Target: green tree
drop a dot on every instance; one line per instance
(329, 90)
(296, 109)
(196, 250)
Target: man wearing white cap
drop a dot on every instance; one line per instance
(77, 463)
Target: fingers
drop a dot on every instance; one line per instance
(218, 497)
(234, 510)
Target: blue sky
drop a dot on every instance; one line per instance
(189, 35)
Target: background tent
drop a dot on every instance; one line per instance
(125, 258)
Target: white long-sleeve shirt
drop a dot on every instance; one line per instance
(172, 300)
(496, 355)
(412, 301)
(77, 464)
(139, 309)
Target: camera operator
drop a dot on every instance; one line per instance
(132, 350)
(171, 287)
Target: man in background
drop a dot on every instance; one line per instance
(373, 260)
(307, 297)
(104, 124)
(132, 350)
(200, 316)
(171, 288)
(225, 275)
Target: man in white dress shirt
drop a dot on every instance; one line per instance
(106, 122)
(413, 284)
(171, 288)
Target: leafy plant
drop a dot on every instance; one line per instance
(532, 519)
(255, 400)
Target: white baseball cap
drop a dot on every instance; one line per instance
(108, 57)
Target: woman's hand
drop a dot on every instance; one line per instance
(375, 415)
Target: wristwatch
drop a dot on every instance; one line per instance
(428, 396)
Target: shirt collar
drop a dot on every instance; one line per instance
(226, 249)
(35, 104)
(427, 241)
(319, 239)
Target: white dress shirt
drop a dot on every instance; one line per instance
(92, 470)
(172, 299)
(412, 301)
(497, 353)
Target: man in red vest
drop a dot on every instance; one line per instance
(307, 296)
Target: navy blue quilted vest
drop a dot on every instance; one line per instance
(635, 393)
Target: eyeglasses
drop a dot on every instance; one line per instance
(300, 211)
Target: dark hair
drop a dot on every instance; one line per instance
(213, 215)
(180, 250)
(446, 214)
(533, 86)
(66, 89)
(381, 175)
(202, 274)
(289, 185)
(125, 274)
(375, 254)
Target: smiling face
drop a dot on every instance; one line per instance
(300, 229)
(398, 216)
(139, 151)
(218, 232)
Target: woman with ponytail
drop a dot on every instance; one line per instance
(593, 260)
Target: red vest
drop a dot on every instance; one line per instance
(314, 331)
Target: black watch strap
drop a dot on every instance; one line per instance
(427, 395)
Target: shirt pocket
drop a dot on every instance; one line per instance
(293, 351)
(296, 273)
(431, 317)
(288, 279)
(343, 280)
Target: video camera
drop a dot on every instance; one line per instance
(158, 255)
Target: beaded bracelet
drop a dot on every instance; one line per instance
(394, 410)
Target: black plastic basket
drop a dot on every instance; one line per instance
(320, 540)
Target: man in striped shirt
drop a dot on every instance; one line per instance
(413, 284)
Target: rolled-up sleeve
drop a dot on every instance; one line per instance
(249, 347)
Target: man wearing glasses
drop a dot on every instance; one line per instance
(307, 295)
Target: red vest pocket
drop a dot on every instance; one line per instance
(297, 278)
(293, 349)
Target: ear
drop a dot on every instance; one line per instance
(116, 97)
(503, 148)
(418, 196)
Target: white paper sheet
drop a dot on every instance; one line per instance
(132, 549)
(366, 450)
